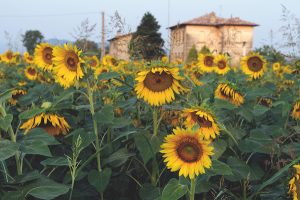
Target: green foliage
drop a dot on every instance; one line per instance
(87, 45)
(146, 43)
(204, 50)
(192, 55)
(271, 54)
(31, 38)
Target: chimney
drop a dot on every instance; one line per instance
(119, 33)
(212, 18)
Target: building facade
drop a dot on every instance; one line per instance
(118, 47)
(231, 36)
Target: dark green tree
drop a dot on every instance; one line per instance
(192, 55)
(271, 54)
(31, 38)
(146, 43)
(87, 45)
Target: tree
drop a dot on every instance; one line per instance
(271, 54)
(87, 45)
(31, 38)
(192, 55)
(204, 50)
(146, 43)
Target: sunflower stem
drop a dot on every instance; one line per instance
(192, 189)
(155, 121)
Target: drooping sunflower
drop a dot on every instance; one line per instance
(53, 124)
(294, 183)
(276, 66)
(28, 58)
(227, 92)
(31, 73)
(67, 61)
(221, 64)
(187, 152)
(254, 65)
(8, 57)
(158, 85)
(206, 62)
(43, 56)
(204, 118)
(15, 96)
(93, 62)
(195, 76)
(296, 110)
(265, 101)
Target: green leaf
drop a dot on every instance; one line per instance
(5, 95)
(239, 169)
(100, 180)
(220, 168)
(222, 104)
(144, 147)
(245, 113)
(219, 148)
(6, 122)
(30, 113)
(108, 75)
(174, 190)
(55, 161)
(7, 149)
(120, 122)
(35, 148)
(118, 158)
(106, 115)
(259, 110)
(149, 192)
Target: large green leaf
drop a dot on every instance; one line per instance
(144, 147)
(30, 113)
(118, 158)
(100, 180)
(220, 168)
(7, 149)
(219, 148)
(5, 122)
(55, 161)
(174, 190)
(105, 115)
(149, 192)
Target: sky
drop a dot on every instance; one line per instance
(59, 18)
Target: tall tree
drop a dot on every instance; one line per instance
(146, 43)
(271, 54)
(192, 55)
(31, 38)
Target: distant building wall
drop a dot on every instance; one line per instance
(118, 47)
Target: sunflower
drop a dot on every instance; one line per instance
(294, 183)
(43, 56)
(221, 63)
(53, 124)
(8, 57)
(195, 76)
(31, 73)
(100, 70)
(206, 62)
(265, 101)
(296, 110)
(226, 92)
(28, 58)
(67, 62)
(204, 118)
(187, 152)
(276, 66)
(108, 60)
(15, 96)
(158, 85)
(254, 65)
(165, 59)
(93, 62)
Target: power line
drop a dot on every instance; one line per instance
(48, 15)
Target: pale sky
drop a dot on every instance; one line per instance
(58, 18)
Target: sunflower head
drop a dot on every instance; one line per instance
(206, 62)
(158, 85)
(221, 64)
(15, 96)
(195, 76)
(165, 59)
(227, 92)
(294, 183)
(204, 119)
(67, 61)
(31, 73)
(28, 58)
(93, 62)
(43, 56)
(53, 124)
(187, 152)
(276, 66)
(8, 57)
(254, 65)
(265, 101)
(296, 110)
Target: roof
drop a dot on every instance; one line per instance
(120, 36)
(212, 20)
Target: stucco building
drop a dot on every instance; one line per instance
(233, 36)
(118, 47)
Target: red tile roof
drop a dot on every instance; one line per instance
(212, 20)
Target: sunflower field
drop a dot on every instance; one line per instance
(74, 126)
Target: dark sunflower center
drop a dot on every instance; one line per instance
(209, 61)
(189, 150)
(50, 129)
(221, 64)
(157, 82)
(71, 60)
(16, 95)
(47, 55)
(201, 121)
(197, 75)
(31, 71)
(30, 58)
(255, 64)
(93, 63)
(9, 55)
(265, 102)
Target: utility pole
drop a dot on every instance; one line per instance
(103, 37)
